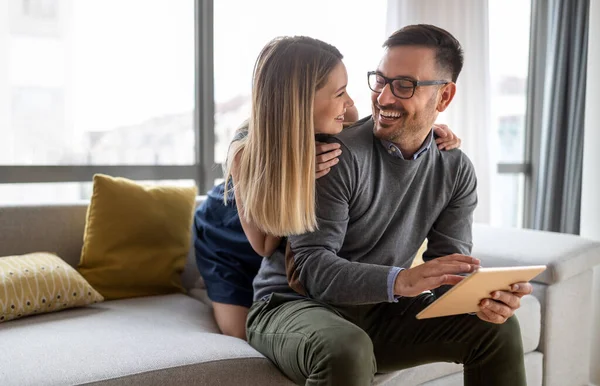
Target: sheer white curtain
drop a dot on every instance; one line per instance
(469, 115)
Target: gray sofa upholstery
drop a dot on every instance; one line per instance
(173, 339)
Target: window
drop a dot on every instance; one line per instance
(77, 97)
(41, 18)
(37, 122)
(111, 88)
(241, 29)
(40, 9)
(509, 58)
(63, 192)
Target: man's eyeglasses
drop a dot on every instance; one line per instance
(403, 88)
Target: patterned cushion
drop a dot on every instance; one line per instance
(38, 283)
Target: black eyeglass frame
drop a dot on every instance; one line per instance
(415, 83)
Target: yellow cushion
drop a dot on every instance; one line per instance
(38, 283)
(136, 237)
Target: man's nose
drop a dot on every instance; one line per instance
(385, 96)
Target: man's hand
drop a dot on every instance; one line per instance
(503, 304)
(433, 274)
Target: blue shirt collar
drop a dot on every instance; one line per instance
(395, 151)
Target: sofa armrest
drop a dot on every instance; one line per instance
(565, 291)
(565, 255)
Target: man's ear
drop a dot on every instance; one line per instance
(446, 96)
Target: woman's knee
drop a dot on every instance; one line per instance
(231, 319)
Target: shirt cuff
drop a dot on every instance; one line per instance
(394, 271)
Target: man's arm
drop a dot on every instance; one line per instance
(449, 242)
(452, 232)
(313, 266)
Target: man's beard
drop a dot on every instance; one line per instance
(411, 125)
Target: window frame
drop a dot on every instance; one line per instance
(204, 170)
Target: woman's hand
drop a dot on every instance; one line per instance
(327, 154)
(446, 140)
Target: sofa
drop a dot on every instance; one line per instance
(173, 339)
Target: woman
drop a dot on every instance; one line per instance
(299, 90)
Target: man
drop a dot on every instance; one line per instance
(352, 309)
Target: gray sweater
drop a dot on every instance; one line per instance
(374, 211)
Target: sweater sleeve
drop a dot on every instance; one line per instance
(452, 231)
(313, 265)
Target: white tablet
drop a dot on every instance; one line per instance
(465, 297)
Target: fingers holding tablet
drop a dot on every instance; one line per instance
(508, 298)
(498, 311)
(492, 293)
(522, 289)
(503, 304)
(498, 316)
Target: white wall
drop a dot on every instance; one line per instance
(590, 200)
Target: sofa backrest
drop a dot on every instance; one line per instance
(565, 255)
(58, 229)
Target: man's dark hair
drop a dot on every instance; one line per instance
(449, 53)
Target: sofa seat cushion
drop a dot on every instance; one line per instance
(162, 340)
(158, 340)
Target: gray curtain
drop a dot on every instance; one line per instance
(555, 113)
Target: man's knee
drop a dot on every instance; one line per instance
(345, 352)
(510, 334)
(502, 340)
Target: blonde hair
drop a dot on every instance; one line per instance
(276, 169)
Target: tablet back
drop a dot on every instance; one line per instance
(466, 295)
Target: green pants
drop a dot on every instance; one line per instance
(316, 344)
